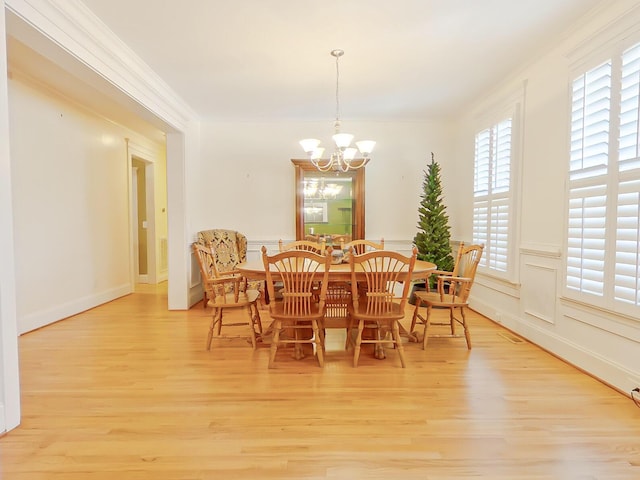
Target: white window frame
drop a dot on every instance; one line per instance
(511, 107)
(601, 223)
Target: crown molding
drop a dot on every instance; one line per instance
(70, 25)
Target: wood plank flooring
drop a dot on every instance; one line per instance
(128, 391)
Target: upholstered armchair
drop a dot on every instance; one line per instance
(229, 248)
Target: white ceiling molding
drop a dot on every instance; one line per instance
(68, 27)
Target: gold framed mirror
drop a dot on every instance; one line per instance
(329, 205)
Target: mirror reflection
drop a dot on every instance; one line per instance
(329, 205)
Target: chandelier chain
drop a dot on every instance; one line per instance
(338, 89)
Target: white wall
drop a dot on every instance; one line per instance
(70, 176)
(247, 178)
(70, 35)
(599, 342)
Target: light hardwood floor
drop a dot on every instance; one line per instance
(128, 391)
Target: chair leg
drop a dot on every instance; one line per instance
(317, 335)
(217, 319)
(255, 318)
(263, 295)
(378, 349)
(452, 320)
(298, 351)
(252, 330)
(395, 332)
(415, 314)
(427, 321)
(349, 341)
(323, 335)
(467, 335)
(254, 315)
(356, 350)
(219, 329)
(274, 342)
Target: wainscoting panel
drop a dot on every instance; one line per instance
(539, 279)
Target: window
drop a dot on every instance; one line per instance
(492, 195)
(603, 234)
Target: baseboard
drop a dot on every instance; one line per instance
(56, 313)
(597, 366)
(195, 295)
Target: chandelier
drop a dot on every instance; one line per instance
(321, 190)
(342, 159)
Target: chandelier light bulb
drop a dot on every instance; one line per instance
(309, 144)
(316, 154)
(343, 140)
(365, 147)
(349, 153)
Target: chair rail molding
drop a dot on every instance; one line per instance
(541, 250)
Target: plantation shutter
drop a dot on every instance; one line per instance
(481, 191)
(492, 185)
(627, 268)
(627, 263)
(585, 249)
(590, 115)
(630, 84)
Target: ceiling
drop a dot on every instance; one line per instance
(269, 60)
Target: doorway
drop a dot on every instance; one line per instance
(143, 225)
(140, 224)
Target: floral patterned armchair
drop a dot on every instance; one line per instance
(229, 248)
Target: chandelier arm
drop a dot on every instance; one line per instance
(323, 167)
(355, 166)
(337, 90)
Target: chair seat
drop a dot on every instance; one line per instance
(434, 299)
(229, 301)
(396, 312)
(277, 312)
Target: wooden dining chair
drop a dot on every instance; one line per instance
(338, 240)
(452, 293)
(298, 315)
(361, 246)
(306, 245)
(227, 292)
(376, 306)
(310, 246)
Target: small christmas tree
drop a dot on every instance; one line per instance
(433, 239)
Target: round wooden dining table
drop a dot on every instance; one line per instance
(341, 272)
